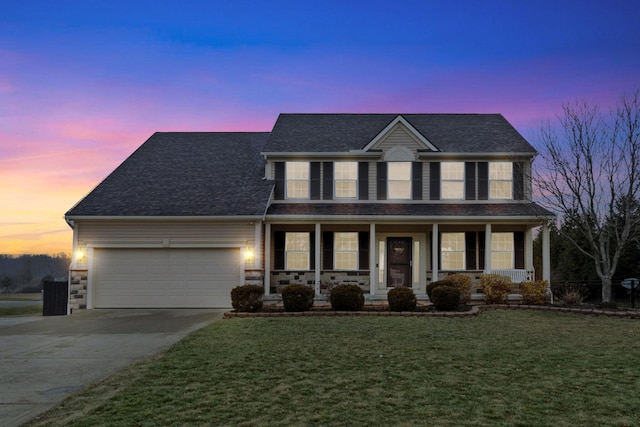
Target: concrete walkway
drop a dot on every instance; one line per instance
(45, 359)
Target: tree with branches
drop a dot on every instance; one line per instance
(590, 176)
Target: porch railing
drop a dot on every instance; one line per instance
(516, 275)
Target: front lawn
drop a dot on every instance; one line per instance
(501, 368)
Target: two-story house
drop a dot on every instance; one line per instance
(380, 200)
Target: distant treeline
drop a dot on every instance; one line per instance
(25, 273)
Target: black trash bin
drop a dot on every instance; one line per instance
(55, 298)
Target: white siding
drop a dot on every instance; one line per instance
(399, 136)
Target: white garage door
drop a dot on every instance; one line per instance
(159, 278)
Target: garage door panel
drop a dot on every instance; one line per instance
(158, 278)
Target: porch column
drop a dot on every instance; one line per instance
(546, 253)
(434, 253)
(317, 259)
(373, 271)
(267, 258)
(487, 248)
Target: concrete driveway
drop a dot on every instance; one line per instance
(45, 359)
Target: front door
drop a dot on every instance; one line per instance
(399, 261)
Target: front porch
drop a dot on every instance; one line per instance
(383, 256)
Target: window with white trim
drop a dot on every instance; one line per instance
(399, 180)
(297, 176)
(500, 180)
(297, 249)
(452, 247)
(345, 179)
(452, 180)
(345, 251)
(502, 251)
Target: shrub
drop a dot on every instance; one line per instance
(296, 297)
(347, 298)
(463, 283)
(247, 298)
(571, 294)
(402, 298)
(496, 288)
(431, 286)
(445, 298)
(534, 292)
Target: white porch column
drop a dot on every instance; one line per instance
(267, 258)
(257, 246)
(373, 271)
(90, 277)
(528, 249)
(546, 253)
(487, 248)
(434, 253)
(317, 259)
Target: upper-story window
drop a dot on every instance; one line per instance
(346, 251)
(500, 180)
(346, 180)
(399, 179)
(297, 251)
(452, 176)
(297, 176)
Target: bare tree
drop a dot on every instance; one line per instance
(590, 175)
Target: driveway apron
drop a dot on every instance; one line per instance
(45, 359)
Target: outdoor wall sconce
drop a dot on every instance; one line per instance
(81, 255)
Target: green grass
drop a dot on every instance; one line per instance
(37, 296)
(25, 310)
(510, 368)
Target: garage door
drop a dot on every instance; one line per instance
(159, 278)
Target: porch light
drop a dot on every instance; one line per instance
(248, 253)
(81, 255)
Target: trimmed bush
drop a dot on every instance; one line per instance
(534, 293)
(402, 298)
(446, 298)
(496, 288)
(347, 298)
(247, 298)
(463, 283)
(296, 297)
(433, 285)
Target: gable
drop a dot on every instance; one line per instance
(400, 133)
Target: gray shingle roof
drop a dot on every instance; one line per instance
(457, 133)
(185, 174)
(529, 210)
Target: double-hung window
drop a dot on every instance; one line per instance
(399, 180)
(452, 246)
(345, 251)
(502, 251)
(297, 174)
(297, 251)
(500, 180)
(346, 180)
(452, 176)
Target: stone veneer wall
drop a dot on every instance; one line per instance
(78, 290)
(328, 279)
(254, 277)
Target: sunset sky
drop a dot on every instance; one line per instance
(84, 83)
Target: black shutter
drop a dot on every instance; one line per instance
(518, 181)
(363, 250)
(481, 244)
(363, 180)
(382, 181)
(278, 250)
(483, 181)
(470, 180)
(470, 250)
(416, 181)
(327, 181)
(434, 178)
(327, 250)
(518, 246)
(312, 251)
(278, 192)
(314, 170)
